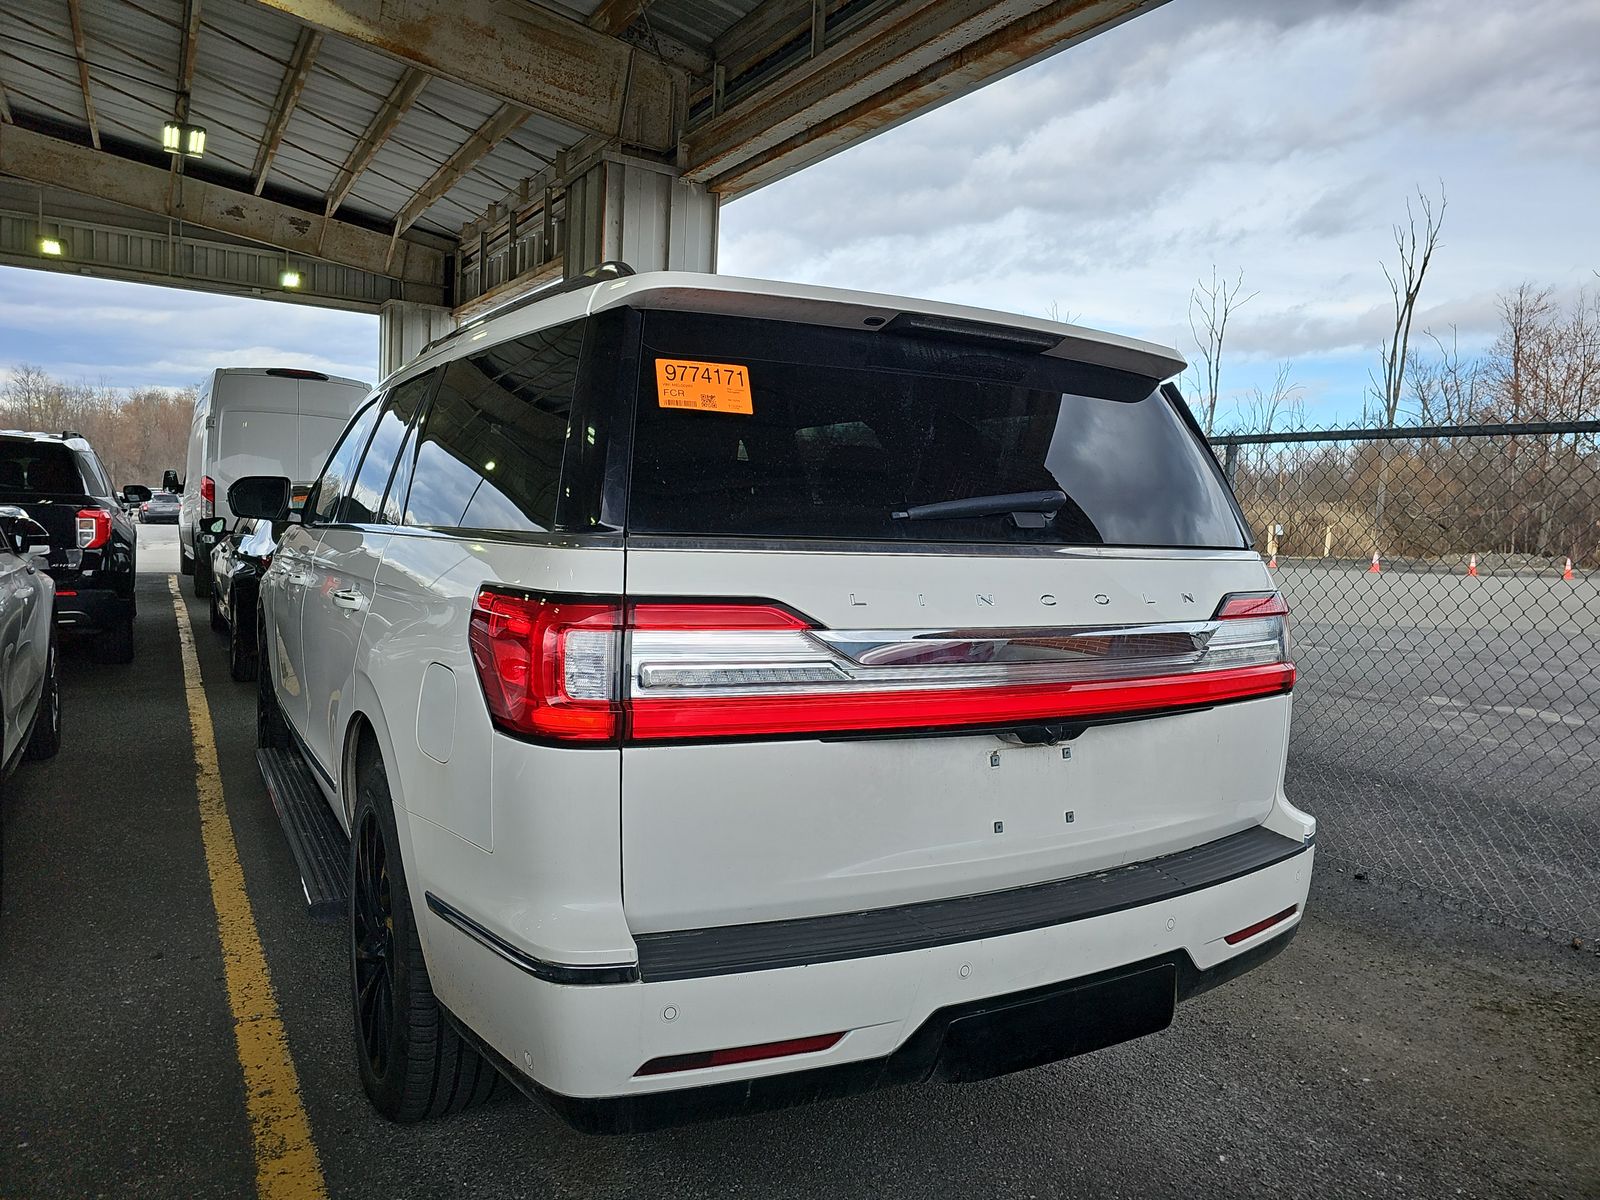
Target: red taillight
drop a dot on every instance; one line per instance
(946, 708)
(713, 617)
(547, 665)
(739, 1054)
(94, 528)
(1249, 931)
(1237, 605)
(208, 497)
(581, 669)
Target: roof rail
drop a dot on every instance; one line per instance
(611, 269)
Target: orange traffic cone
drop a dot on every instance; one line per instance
(1374, 568)
(1566, 572)
(1273, 565)
(1472, 566)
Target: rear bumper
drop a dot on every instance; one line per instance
(580, 1047)
(979, 1039)
(91, 608)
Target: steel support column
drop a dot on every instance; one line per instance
(404, 328)
(641, 213)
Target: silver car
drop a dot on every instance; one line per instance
(30, 697)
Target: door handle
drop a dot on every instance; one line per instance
(348, 598)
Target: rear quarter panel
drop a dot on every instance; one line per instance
(524, 838)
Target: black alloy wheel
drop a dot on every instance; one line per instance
(372, 944)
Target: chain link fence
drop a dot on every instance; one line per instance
(1445, 591)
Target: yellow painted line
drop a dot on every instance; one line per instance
(287, 1167)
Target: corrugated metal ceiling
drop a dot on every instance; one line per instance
(244, 50)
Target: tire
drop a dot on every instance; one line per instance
(46, 737)
(185, 563)
(217, 623)
(241, 649)
(202, 579)
(115, 645)
(272, 731)
(413, 1063)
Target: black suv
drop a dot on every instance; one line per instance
(58, 480)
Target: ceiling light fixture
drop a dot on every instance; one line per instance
(188, 140)
(50, 247)
(289, 278)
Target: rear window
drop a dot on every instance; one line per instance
(40, 469)
(845, 429)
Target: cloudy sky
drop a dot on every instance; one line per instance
(1276, 137)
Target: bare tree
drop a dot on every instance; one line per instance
(1447, 389)
(1264, 408)
(1210, 307)
(1064, 315)
(137, 434)
(1414, 249)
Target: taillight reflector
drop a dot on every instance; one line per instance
(208, 497)
(1249, 931)
(739, 1054)
(94, 528)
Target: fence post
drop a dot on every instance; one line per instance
(1230, 461)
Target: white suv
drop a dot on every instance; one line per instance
(740, 693)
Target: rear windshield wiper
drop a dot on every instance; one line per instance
(1027, 509)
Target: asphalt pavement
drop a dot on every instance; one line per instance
(1444, 733)
(1396, 1049)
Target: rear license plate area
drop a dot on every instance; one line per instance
(1023, 1033)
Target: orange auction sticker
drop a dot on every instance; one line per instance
(703, 386)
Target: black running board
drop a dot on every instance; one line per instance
(321, 849)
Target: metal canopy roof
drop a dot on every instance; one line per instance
(244, 51)
(387, 140)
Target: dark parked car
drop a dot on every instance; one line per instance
(160, 509)
(57, 480)
(237, 563)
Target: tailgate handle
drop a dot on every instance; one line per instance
(348, 598)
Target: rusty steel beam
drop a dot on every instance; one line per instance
(613, 16)
(104, 176)
(294, 82)
(395, 106)
(907, 60)
(75, 15)
(526, 55)
(485, 138)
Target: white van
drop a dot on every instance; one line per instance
(256, 421)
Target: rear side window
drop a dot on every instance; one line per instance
(846, 429)
(40, 469)
(489, 455)
(364, 503)
(94, 474)
(336, 476)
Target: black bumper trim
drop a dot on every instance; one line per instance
(91, 608)
(537, 967)
(963, 1042)
(769, 945)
